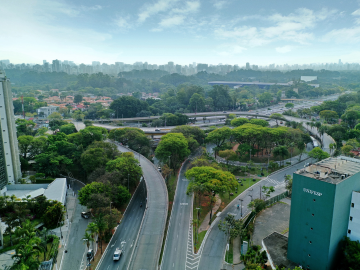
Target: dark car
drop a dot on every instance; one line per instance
(224, 112)
(156, 129)
(85, 214)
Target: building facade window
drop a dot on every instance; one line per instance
(350, 218)
(352, 204)
(349, 231)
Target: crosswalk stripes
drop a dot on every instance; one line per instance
(192, 260)
(273, 181)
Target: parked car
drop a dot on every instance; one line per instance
(156, 129)
(90, 254)
(85, 214)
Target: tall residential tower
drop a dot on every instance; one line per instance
(10, 171)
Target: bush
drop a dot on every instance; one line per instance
(39, 175)
(33, 179)
(45, 181)
(144, 125)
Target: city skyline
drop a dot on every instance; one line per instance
(181, 31)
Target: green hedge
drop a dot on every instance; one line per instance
(44, 181)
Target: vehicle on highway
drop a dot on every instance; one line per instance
(117, 254)
(141, 204)
(224, 112)
(156, 129)
(85, 214)
(159, 169)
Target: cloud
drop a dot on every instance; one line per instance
(220, 4)
(284, 49)
(150, 10)
(190, 7)
(343, 35)
(91, 8)
(231, 50)
(295, 27)
(356, 12)
(122, 22)
(172, 21)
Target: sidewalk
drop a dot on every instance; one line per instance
(205, 224)
(71, 201)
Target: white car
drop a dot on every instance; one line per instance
(117, 254)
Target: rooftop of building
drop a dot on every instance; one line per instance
(332, 170)
(276, 245)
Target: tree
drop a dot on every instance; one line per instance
(329, 116)
(53, 215)
(265, 98)
(350, 254)
(51, 163)
(351, 117)
(277, 116)
(232, 227)
(289, 105)
(227, 155)
(93, 158)
(68, 129)
(259, 122)
(102, 227)
(289, 181)
(219, 137)
(90, 189)
(25, 142)
(87, 238)
(281, 151)
(239, 122)
(318, 154)
(213, 181)
(173, 146)
(197, 103)
(190, 131)
(93, 229)
(55, 116)
(257, 205)
(78, 98)
(128, 166)
(26, 252)
(128, 106)
(267, 191)
(346, 149)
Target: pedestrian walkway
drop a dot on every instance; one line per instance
(205, 224)
(236, 250)
(63, 231)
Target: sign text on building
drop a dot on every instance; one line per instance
(312, 192)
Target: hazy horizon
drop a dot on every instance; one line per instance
(212, 32)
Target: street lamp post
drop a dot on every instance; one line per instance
(251, 197)
(197, 227)
(212, 194)
(241, 200)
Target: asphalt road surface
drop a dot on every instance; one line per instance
(148, 246)
(178, 245)
(126, 232)
(74, 244)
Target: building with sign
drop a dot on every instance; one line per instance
(320, 211)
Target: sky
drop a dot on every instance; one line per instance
(232, 32)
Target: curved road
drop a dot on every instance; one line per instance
(126, 232)
(148, 245)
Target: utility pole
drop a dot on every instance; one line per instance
(241, 200)
(22, 102)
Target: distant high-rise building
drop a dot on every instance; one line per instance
(56, 65)
(10, 171)
(95, 63)
(5, 62)
(202, 67)
(248, 65)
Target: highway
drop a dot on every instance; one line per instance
(150, 237)
(126, 232)
(178, 250)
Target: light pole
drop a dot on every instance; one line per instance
(197, 227)
(251, 197)
(241, 200)
(212, 194)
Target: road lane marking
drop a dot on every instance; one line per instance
(184, 203)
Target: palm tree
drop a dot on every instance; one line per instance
(87, 238)
(26, 252)
(102, 226)
(11, 220)
(26, 231)
(93, 229)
